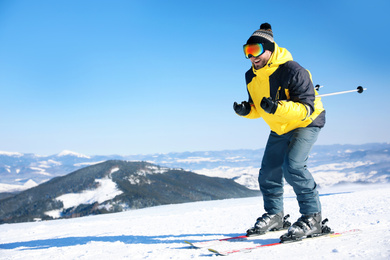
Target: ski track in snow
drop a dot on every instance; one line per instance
(159, 232)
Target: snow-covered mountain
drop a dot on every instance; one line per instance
(72, 154)
(332, 164)
(159, 232)
(115, 186)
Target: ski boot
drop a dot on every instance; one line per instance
(269, 222)
(306, 226)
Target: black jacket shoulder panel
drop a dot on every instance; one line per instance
(249, 75)
(297, 81)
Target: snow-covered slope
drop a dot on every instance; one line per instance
(159, 232)
(16, 188)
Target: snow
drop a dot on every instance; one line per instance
(228, 172)
(159, 232)
(114, 170)
(136, 180)
(85, 164)
(246, 176)
(152, 169)
(48, 163)
(332, 174)
(15, 188)
(41, 171)
(197, 160)
(326, 175)
(70, 153)
(16, 154)
(106, 190)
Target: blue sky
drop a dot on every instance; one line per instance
(142, 77)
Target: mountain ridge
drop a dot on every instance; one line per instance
(242, 165)
(133, 185)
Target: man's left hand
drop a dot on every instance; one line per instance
(269, 105)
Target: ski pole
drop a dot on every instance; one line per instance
(359, 90)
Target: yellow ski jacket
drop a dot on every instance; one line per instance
(285, 81)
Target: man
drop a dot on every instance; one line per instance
(282, 93)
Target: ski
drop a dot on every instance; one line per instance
(208, 243)
(250, 248)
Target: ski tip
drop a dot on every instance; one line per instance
(189, 243)
(216, 252)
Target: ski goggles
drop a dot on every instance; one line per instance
(253, 50)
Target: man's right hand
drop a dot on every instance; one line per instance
(242, 109)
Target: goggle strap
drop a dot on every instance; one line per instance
(269, 46)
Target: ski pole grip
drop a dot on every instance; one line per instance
(317, 87)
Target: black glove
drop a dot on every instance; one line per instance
(269, 105)
(242, 109)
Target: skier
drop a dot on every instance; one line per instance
(282, 93)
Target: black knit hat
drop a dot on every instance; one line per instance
(264, 35)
